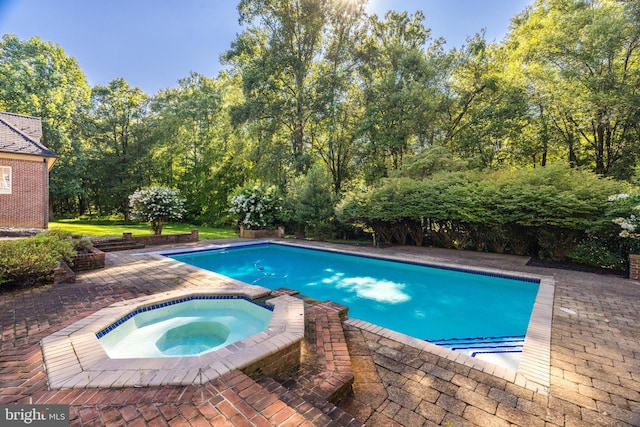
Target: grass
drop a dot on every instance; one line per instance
(115, 228)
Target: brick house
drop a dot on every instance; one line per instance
(24, 172)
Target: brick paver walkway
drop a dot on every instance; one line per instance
(595, 362)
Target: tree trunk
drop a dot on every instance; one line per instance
(572, 151)
(599, 135)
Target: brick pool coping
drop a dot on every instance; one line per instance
(74, 358)
(535, 363)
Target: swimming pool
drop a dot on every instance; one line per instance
(420, 301)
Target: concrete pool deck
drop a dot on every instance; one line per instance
(594, 363)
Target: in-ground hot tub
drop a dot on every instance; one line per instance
(188, 326)
(75, 358)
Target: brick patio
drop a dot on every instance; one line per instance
(595, 360)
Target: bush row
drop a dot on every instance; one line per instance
(544, 211)
(31, 261)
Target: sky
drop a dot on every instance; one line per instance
(154, 43)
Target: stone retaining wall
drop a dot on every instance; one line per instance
(261, 234)
(63, 274)
(634, 267)
(93, 259)
(278, 364)
(163, 239)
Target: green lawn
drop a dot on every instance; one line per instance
(106, 227)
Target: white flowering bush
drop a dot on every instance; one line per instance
(156, 205)
(256, 206)
(630, 204)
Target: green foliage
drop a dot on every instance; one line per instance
(40, 80)
(483, 111)
(156, 205)
(550, 208)
(116, 149)
(456, 147)
(608, 252)
(276, 56)
(554, 196)
(256, 206)
(431, 160)
(311, 203)
(400, 86)
(579, 63)
(195, 149)
(26, 262)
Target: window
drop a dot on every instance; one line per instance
(5, 179)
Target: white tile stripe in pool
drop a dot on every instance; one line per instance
(74, 358)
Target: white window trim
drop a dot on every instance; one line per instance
(5, 179)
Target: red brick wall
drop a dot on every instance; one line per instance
(634, 267)
(27, 205)
(163, 239)
(91, 260)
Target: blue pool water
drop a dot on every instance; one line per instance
(424, 302)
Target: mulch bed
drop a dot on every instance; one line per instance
(574, 266)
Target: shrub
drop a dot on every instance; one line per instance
(626, 208)
(256, 206)
(544, 211)
(556, 206)
(156, 205)
(609, 252)
(31, 261)
(311, 203)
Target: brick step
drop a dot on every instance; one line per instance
(116, 244)
(123, 247)
(320, 412)
(325, 372)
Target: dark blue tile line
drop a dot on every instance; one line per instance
(488, 347)
(217, 249)
(123, 319)
(422, 264)
(480, 343)
(479, 347)
(493, 352)
(476, 338)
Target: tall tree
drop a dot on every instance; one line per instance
(37, 78)
(195, 149)
(400, 88)
(482, 111)
(338, 110)
(118, 143)
(583, 57)
(275, 56)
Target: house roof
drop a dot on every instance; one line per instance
(21, 135)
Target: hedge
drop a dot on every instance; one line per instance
(26, 262)
(543, 211)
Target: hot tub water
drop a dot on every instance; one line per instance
(188, 328)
